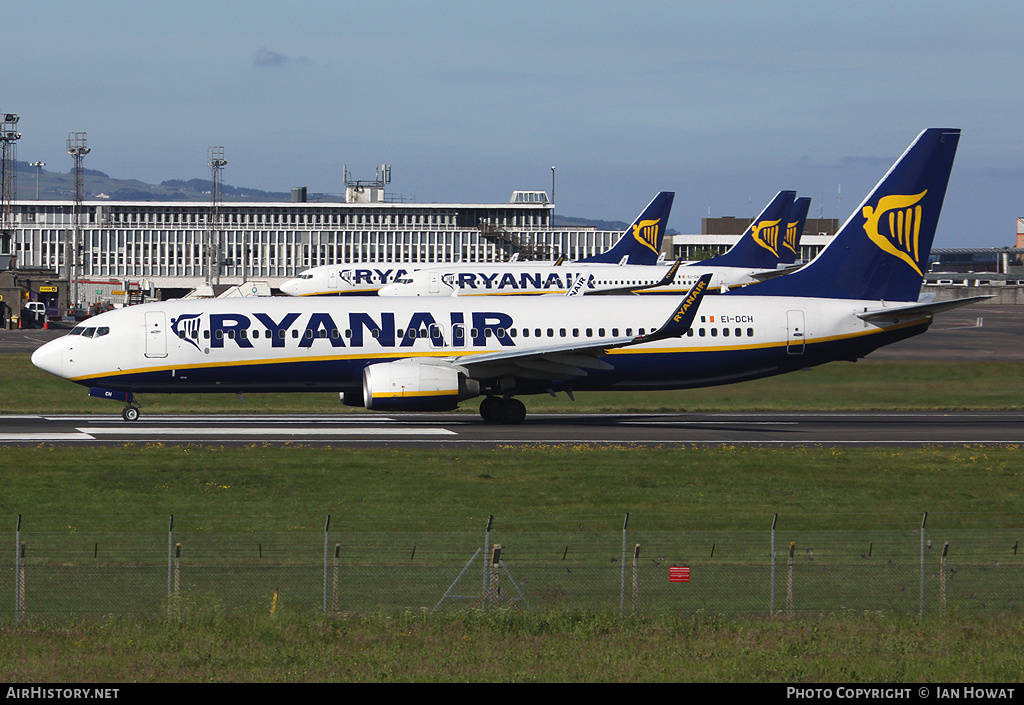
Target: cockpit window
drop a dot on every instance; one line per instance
(305, 276)
(89, 332)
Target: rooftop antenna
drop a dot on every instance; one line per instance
(216, 161)
(8, 178)
(77, 150)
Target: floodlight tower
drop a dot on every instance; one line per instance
(39, 168)
(77, 150)
(9, 135)
(216, 161)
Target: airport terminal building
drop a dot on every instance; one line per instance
(162, 249)
(166, 243)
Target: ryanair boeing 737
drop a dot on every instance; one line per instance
(640, 244)
(407, 353)
(772, 240)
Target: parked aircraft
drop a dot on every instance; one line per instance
(640, 244)
(754, 257)
(407, 353)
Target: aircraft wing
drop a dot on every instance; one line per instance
(572, 359)
(892, 314)
(669, 277)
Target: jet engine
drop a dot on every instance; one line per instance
(410, 385)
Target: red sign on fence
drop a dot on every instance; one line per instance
(679, 574)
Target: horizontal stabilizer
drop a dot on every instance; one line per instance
(772, 273)
(894, 314)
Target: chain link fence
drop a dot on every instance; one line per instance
(60, 567)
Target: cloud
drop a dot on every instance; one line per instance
(268, 58)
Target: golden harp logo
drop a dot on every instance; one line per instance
(789, 241)
(895, 226)
(646, 233)
(766, 234)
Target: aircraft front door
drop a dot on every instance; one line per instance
(433, 284)
(332, 279)
(156, 334)
(795, 338)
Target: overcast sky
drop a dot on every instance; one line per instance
(724, 103)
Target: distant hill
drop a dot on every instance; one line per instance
(59, 186)
(55, 185)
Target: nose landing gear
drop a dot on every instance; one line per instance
(131, 409)
(504, 410)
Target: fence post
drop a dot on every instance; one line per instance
(924, 519)
(622, 579)
(775, 520)
(487, 550)
(177, 569)
(636, 578)
(789, 577)
(18, 568)
(495, 592)
(337, 554)
(327, 538)
(942, 577)
(170, 556)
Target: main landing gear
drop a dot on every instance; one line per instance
(504, 410)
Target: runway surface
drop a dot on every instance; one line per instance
(445, 430)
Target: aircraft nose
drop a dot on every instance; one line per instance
(50, 357)
(389, 290)
(289, 287)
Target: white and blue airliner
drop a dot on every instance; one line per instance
(413, 353)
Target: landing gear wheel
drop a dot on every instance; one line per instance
(130, 413)
(499, 410)
(489, 409)
(512, 411)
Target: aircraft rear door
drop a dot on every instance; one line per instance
(156, 334)
(795, 334)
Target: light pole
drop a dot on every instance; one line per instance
(552, 197)
(39, 166)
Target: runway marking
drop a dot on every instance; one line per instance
(259, 431)
(220, 418)
(718, 422)
(36, 436)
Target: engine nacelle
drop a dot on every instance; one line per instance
(409, 385)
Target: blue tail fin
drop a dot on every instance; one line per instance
(789, 249)
(758, 248)
(882, 250)
(641, 242)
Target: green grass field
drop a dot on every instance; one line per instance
(542, 494)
